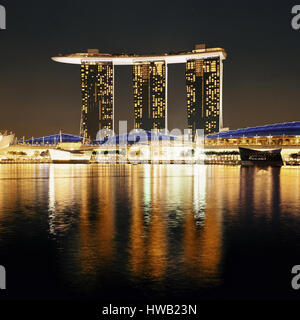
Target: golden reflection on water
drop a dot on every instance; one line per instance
(96, 235)
(202, 245)
(172, 215)
(137, 252)
(157, 234)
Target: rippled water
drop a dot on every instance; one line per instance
(149, 232)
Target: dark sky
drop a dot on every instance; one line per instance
(39, 96)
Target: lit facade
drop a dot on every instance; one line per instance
(97, 84)
(149, 91)
(204, 83)
(203, 86)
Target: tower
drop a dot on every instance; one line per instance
(97, 86)
(150, 95)
(204, 94)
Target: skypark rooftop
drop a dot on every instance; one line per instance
(94, 56)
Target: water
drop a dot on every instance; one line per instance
(141, 233)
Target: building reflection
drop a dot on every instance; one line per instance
(83, 198)
(21, 186)
(148, 238)
(106, 221)
(153, 220)
(137, 244)
(202, 241)
(198, 196)
(64, 192)
(289, 187)
(260, 192)
(157, 241)
(184, 193)
(97, 223)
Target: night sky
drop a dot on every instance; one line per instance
(40, 97)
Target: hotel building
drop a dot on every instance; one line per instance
(97, 86)
(204, 85)
(149, 92)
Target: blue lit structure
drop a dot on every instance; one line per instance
(136, 137)
(288, 129)
(130, 138)
(53, 139)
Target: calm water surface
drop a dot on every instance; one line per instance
(140, 233)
